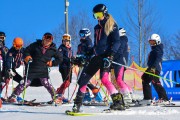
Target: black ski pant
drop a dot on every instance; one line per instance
(146, 80)
(66, 73)
(94, 65)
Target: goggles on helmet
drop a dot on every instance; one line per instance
(66, 37)
(81, 35)
(17, 46)
(66, 40)
(98, 15)
(2, 37)
(50, 37)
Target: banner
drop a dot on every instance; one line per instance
(170, 71)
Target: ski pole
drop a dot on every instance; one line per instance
(24, 92)
(54, 92)
(80, 71)
(109, 62)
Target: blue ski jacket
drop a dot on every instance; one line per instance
(85, 46)
(103, 44)
(67, 55)
(122, 53)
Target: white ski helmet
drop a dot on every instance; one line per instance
(66, 37)
(122, 32)
(156, 38)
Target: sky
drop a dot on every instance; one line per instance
(30, 19)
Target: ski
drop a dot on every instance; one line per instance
(71, 113)
(26, 102)
(170, 105)
(95, 104)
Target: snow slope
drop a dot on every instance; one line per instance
(10, 112)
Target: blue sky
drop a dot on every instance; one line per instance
(30, 19)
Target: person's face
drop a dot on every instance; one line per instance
(66, 42)
(17, 47)
(99, 15)
(2, 38)
(47, 40)
(152, 42)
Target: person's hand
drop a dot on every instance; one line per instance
(49, 63)
(28, 59)
(151, 70)
(111, 56)
(11, 73)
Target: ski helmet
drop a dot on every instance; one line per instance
(156, 38)
(122, 32)
(100, 8)
(48, 36)
(18, 43)
(66, 37)
(2, 36)
(85, 32)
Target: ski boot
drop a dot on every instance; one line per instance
(118, 102)
(19, 99)
(87, 96)
(12, 99)
(77, 103)
(163, 102)
(58, 100)
(127, 99)
(98, 97)
(145, 102)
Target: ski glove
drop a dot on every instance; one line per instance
(11, 73)
(152, 70)
(111, 56)
(28, 59)
(49, 63)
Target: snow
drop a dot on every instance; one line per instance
(9, 112)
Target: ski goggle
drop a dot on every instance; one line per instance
(48, 37)
(66, 38)
(2, 38)
(98, 15)
(17, 47)
(81, 35)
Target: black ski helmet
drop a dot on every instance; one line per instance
(48, 35)
(100, 8)
(2, 34)
(85, 32)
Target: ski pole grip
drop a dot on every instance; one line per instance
(107, 63)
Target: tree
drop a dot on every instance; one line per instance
(76, 22)
(140, 22)
(172, 49)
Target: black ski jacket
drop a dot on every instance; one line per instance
(155, 57)
(38, 68)
(14, 58)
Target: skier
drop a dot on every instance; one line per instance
(84, 49)
(154, 66)
(3, 52)
(65, 68)
(15, 62)
(120, 57)
(106, 44)
(38, 56)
